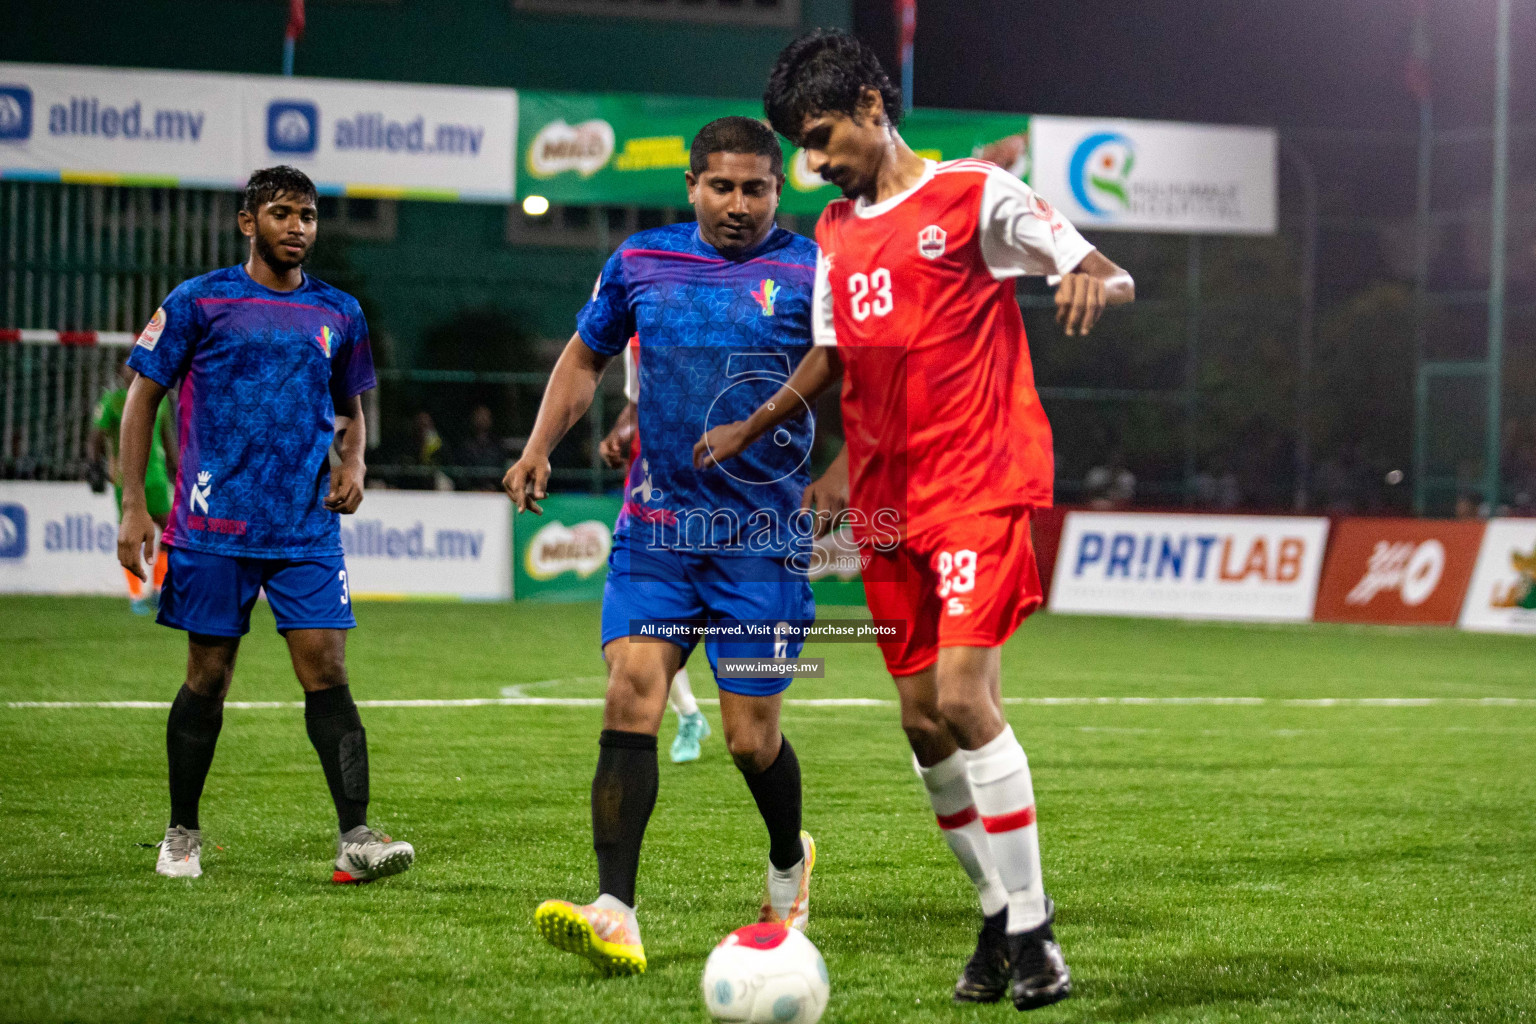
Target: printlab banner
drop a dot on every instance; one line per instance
(1502, 596)
(630, 149)
(1398, 571)
(1157, 175)
(58, 538)
(562, 555)
(425, 544)
(111, 126)
(1263, 568)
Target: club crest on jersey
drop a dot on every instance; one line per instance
(152, 330)
(930, 241)
(765, 294)
(324, 338)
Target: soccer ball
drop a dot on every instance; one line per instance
(766, 974)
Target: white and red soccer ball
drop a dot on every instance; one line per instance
(766, 974)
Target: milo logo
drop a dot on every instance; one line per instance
(557, 548)
(560, 147)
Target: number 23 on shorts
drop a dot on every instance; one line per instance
(957, 575)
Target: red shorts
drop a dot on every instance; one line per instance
(967, 583)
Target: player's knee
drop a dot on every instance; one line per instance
(924, 727)
(752, 751)
(962, 711)
(328, 674)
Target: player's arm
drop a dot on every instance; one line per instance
(616, 445)
(1096, 282)
(819, 370)
(351, 442)
(567, 397)
(168, 440)
(136, 535)
(827, 495)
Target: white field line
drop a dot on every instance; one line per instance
(513, 696)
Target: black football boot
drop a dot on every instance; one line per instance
(1040, 975)
(986, 977)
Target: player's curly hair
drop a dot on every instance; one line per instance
(735, 135)
(268, 183)
(825, 72)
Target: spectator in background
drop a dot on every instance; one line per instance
(482, 450)
(1217, 490)
(1111, 485)
(425, 450)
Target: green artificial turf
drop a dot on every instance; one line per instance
(1268, 861)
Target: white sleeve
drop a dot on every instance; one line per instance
(631, 377)
(822, 332)
(1022, 234)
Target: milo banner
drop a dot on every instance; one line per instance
(631, 150)
(562, 555)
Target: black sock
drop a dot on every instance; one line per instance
(623, 796)
(331, 719)
(191, 732)
(777, 792)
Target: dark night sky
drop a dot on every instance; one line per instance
(1290, 63)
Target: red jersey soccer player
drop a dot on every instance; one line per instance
(946, 438)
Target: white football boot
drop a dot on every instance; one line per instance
(181, 853)
(364, 854)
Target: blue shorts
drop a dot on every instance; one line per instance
(213, 594)
(648, 584)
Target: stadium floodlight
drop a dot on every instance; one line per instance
(535, 206)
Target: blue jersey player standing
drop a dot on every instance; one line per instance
(270, 364)
(722, 312)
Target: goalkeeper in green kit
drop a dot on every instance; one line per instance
(106, 422)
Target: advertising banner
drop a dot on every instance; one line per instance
(1398, 571)
(131, 127)
(563, 554)
(103, 126)
(632, 149)
(385, 140)
(1126, 175)
(1262, 568)
(424, 544)
(58, 538)
(1502, 595)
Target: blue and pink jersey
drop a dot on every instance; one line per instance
(717, 337)
(261, 373)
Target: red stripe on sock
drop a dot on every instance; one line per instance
(959, 819)
(1009, 822)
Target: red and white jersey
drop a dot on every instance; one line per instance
(939, 405)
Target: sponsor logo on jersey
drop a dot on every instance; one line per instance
(293, 126)
(560, 147)
(15, 113)
(931, 240)
(1100, 173)
(13, 531)
(645, 490)
(324, 338)
(765, 294)
(201, 491)
(152, 330)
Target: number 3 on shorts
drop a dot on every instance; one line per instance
(957, 572)
(341, 574)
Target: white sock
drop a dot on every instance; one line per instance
(949, 792)
(1005, 796)
(607, 902)
(681, 695)
(783, 887)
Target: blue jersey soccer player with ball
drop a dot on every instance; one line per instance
(271, 365)
(722, 311)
